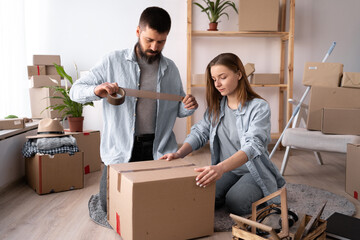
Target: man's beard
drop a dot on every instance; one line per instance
(145, 57)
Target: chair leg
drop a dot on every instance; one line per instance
(318, 158)
(285, 159)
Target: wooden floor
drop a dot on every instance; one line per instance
(26, 215)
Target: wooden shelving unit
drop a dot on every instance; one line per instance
(287, 43)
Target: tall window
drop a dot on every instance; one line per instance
(14, 84)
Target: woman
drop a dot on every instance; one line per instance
(237, 124)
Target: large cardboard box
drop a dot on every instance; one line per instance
(159, 200)
(44, 81)
(330, 97)
(36, 70)
(14, 123)
(259, 15)
(322, 74)
(39, 100)
(352, 181)
(345, 121)
(88, 142)
(51, 70)
(46, 59)
(60, 172)
(351, 80)
(265, 78)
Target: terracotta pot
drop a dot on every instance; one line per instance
(76, 124)
(213, 26)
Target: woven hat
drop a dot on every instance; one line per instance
(49, 128)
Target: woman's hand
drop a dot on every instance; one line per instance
(208, 174)
(170, 156)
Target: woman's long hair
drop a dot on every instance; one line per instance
(244, 91)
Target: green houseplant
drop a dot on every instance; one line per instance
(68, 108)
(214, 10)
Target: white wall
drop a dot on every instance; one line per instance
(82, 31)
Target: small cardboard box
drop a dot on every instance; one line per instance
(89, 143)
(343, 121)
(51, 70)
(266, 78)
(329, 97)
(44, 81)
(39, 100)
(322, 74)
(36, 70)
(60, 172)
(351, 80)
(249, 69)
(14, 123)
(352, 181)
(159, 200)
(259, 15)
(46, 59)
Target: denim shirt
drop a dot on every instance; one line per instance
(253, 126)
(117, 136)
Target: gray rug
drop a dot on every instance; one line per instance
(301, 199)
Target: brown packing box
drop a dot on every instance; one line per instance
(322, 74)
(159, 200)
(259, 15)
(39, 100)
(352, 177)
(340, 121)
(51, 70)
(330, 97)
(46, 59)
(266, 78)
(89, 143)
(60, 172)
(36, 70)
(249, 69)
(14, 123)
(45, 81)
(351, 80)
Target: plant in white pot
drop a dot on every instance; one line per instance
(214, 10)
(73, 111)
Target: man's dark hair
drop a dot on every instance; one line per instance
(155, 18)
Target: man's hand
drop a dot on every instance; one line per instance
(190, 102)
(106, 88)
(208, 175)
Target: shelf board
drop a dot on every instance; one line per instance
(283, 35)
(252, 85)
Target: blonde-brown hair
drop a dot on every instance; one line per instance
(244, 91)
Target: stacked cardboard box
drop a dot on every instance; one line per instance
(43, 74)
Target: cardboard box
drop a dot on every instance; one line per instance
(89, 143)
(46, 59)
(39, 100)
(249, 69)
(340, 121)
(159, 200)
(351, 80)
(322, 74)
(51, 70)
(60, 172)
(265, 78)
(14, 123)
(36, 70)
(352, 178)
(330, 97)
(259, 15)
(44, 81)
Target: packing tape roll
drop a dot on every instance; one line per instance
(117, 98)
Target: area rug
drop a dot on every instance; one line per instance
(301, 199)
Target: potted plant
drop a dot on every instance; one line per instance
(214, 10)
(68, 108)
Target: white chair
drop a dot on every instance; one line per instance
(299, 137)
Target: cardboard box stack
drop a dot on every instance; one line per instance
(43, 74)
(159, 200)
(333, 108)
